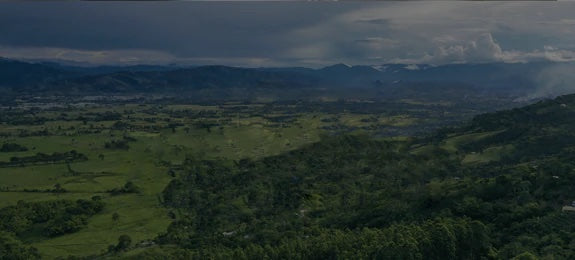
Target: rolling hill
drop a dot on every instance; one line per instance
(354, 196)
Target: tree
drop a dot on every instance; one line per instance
(130, 187)
(115, 217)
(11, 147)
(124, 242)
(58, 188)
(12, 248)
(64, 225)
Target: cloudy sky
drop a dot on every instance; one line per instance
(311, 34)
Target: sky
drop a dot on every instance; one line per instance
(274, 34)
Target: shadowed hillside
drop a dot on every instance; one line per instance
(318, 201)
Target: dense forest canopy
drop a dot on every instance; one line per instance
(493, 188)
(350, 196)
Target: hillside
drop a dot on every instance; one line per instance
(46, 78)
(350, 196)
(17, 75)
(542, 129)
(182, 79)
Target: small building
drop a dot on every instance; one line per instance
(227, 234)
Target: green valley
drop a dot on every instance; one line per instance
(277, 180)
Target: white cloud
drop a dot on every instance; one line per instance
(482, 49)
(439, 33)
(486, 49)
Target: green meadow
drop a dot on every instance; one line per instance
(147, 163)
(145, 144)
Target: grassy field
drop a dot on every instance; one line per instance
(146, 163)
(489, 154)
(160, 137)
(452, 144)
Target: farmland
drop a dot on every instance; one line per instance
(144, 142)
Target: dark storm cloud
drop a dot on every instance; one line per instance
(288, 33)
(184, 29)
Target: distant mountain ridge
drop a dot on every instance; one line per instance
(19, 76)
(18, 73)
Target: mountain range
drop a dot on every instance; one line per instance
(47, 78)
